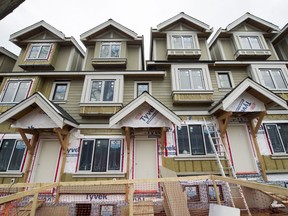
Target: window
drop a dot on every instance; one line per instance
(39, 51)
(106, 210)
(141, 86)
(83, 209)
(60, 91)
(101, 155)
(11, 154)
(192, 140)
(224, 79)
(102, 90)
(15, 91)
(110, 50)
(192, 192)
(191, 79)
(212, 194)
(278, 137)
(182, 42)
(250, 42)
(273, 78)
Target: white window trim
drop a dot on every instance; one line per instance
(54, 88)
(206, 76)
(118, 90)
(256, 73)
(182, 33)
(230, 77)
(237, 35)
(136, 85)
(39, 44)
(110, 44)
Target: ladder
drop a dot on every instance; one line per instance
(221, 153)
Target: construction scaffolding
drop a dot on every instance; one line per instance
(173, 196)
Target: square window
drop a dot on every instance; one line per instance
(101, 155)
(102, 90)
(110, 50)
(191, 79)
(142, 86)
(212, 194)
(39, 51)
(224, 79)
(60, 91)
(192, 192)
(15, 91)
(106, 210)
(83, 209)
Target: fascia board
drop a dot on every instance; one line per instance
(8, 53)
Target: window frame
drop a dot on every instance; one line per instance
(110, 44)
(269, 140)
(102, 205)
(193, 35)
(229, 74)
(41, 45)
(176, 77)
(16, 141)
(4, 91)
(118, 89)
(197, 197)
(136, 84)
(273, 79)
(237, 38)
(94, 139)
(220, 191)
(52, 93)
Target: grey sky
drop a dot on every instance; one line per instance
(74, 17)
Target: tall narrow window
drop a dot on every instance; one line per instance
(15, 91)
(278, 137)
(224, 80)
(60, 91)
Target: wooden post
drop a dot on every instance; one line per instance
(127, 134)
(34, 204)
(163, 140)
(216, 192)
(131, 192)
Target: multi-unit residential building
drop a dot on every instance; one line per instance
(69, 115)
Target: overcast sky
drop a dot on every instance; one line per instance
(74, 17)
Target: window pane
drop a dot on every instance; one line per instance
(177, 42)
(34, 52)
(255, 43)
(274, 137)
(184, 79)
(96, 91)
(44, 52)
(100, 155)
(22, 91)
(224, 80)
(141, 87)
(197, 79)
(105, 50)
(244, 43)
(279, 79)
(108, 91)
(10, 91)
(188, 43)
(209, 149)
(115, 48)
(268, 79)
(5, 153)
(114, 155)
(283, 130)
(196, 140)
(86, 155)
(183, 140)
(60, 91)
(16, 160)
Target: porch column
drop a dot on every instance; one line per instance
(128, 139)
(163, 140)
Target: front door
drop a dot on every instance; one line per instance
(45, 167)
(241, 149)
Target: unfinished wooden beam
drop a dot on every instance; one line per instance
(259, 117)
(131, 193)
(60, 132)
(34, 204)
(25, 139)
(223, 121)
(216, 192)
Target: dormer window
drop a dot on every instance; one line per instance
(250, 42)
(110, 50)
(182, 42)
(39, 51)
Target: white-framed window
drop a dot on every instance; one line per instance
(191, 78)
(250, 41)
(110, 50)
(60, 91)
(101, 155)
(183, 40)
(142, 86)
(40, 51)
(277, 134)
(192, 140)
(102, 89)
(15, 91)
(12, 153)
(224, 79)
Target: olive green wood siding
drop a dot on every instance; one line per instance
(7, 180)
(274, 165)
(67, 177)
(89, 55)
(282, 49)
(6, 63)
(204, 49)
(63, 58)
(19, 60)
(228, 49)
(159, 49)
(273, 52)
(134, 58)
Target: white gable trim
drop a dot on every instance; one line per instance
(145, 97)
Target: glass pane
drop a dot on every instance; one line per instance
(183, 140)
(105, 50)
(96, 88)
(255, 43)
(115, 50)
(114, 155)
(44, 52)
(34, 52)
(177, 42)
(10, 91)
(224, 80)
(268, 79)
(274, 138)
(16, 160)
(184, 76)
(60, 91)
(5, 152)
(283, 130)
(86, 155)
(188, 43)
(209, 149)
(106, 210)
(108, 91)
(245, 43)
(141, 87)
(279, 79)
(196, 140)
(100, 155)
(197, 79)
(22, 91)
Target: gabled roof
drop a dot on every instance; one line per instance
(8, 53)
(189, 19)
(58, 115)
(107, 24)
(258, 91)
(253, 20)
(145, 97)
